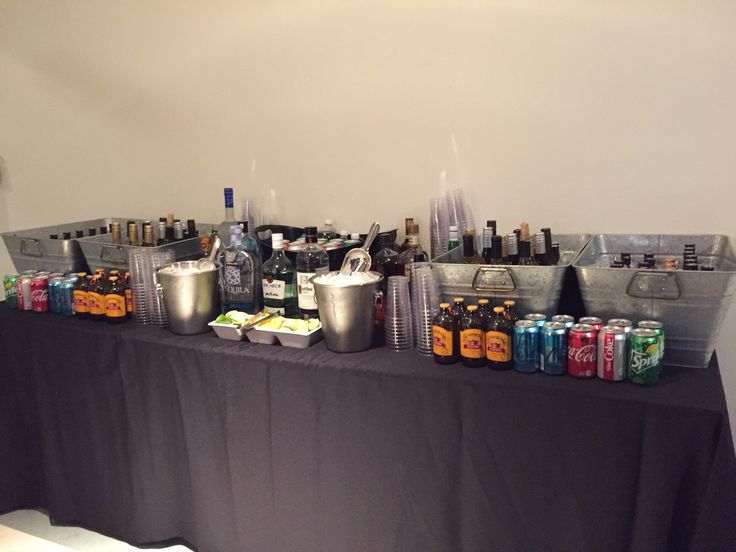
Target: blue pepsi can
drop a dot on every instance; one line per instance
(553, 348)
(526, 346)
(538, 318)
(66, 292)
(566, 319)
(55, 294)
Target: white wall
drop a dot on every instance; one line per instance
(587, 116)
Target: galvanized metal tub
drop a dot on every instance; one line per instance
(690, 304)
(534, 288)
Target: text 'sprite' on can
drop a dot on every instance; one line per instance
(526, 346)
(40, 294)
(659, 328)
(10, 286)
(645, 365)
(553, 350)
(582, 351)
(594, 321)
(612, 358)
(566, 319)
(23, 286)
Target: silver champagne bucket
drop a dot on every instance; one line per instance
(348, 314)
(191, 298)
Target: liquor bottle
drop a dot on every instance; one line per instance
(548, 246)
(512, 250)
(79, 234)
(132, 233)
(413, 252)
(487, 243)
(444, 336)
(496, 250)
(540, 250)
(161, 232)
(454, 238)
(524, 231)
(249, 242)
(385, 261)
(115, 310)
(148, 235)
(224, 227)
(103, 230)
(66, 236)
(327, 232)
(525, 253)
(492, 224)
(53, 236)
(240, 275)
(92, 232)
(556, 251)
(472, 339)
(469, 256)
(279, 289)
(408, 224)
(499, 335)
(311, 261)
(116, 234)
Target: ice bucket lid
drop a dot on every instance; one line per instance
(184, 268)
(335, 279)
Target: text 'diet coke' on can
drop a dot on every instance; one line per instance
(612, 358)
(24, 293)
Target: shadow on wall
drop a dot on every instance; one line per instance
(6, 264)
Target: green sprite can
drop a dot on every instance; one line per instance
(659, 328)
(11, 290)
(645, 364)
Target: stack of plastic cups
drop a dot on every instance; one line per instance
(438, 227)
(398, 323)
(154, 294)
(425, 301)
(148, 305)
(137, 286)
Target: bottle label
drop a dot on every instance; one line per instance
(238, 283)
(273, 289)
(471, 344)
(441, 341)
(498, 346)
(305, 288)
(80, 301)
(95, 303)
(114, 305)
(281, 311)
(129, 300)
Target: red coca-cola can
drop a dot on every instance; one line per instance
(23, 285)
(594, 321)
(40, 294)
(582, 351)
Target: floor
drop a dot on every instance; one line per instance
(30, 531)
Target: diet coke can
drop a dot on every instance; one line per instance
(594, 321)
(612, 359)
(582, 358)
(40, 294)
(24, 293)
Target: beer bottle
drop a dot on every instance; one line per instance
(512, 250)
(161, 231)
(444, 336)
(96, 297)
(458, 307)
(192, 229)
(469, 256)
(115, 311)
(66, 236)
(487, 242)
(540, 250)
(524, 231)
(510, 311)
(496, 250)
(553, 259)
(472, 339)
(454, 238)
(492, 224)
(128, 296)
(116, 234)
(79, 233)
(132, 233)
(148, 235)
(484, 310)
(81, 287)
(178, 230)
(498, 340)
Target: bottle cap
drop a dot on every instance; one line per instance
(228, 198)
(113, 278)
(498, 309)
(355, 236)
(277, 241)
(458, 300)
(509, 303)
(444, 305)
(472, 308)
(81, 274)
(482, 301)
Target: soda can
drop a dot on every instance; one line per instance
(10, 287)
(42, 273)
(657, 327)
(526, 346)
(66, 294)
(594, 321)
(612, 359)
(29, 273)
(40, 294)
(23, 285)
(627, 325)
(566, 319)
(645, 364)
(55, 294)
(553, 351)
(582, 351)
(538, 318)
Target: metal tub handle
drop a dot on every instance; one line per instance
(654, 285)
(31, 247)
(493, 279)
(113, 254)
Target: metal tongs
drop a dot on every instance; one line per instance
(257, 320)
(359, 259)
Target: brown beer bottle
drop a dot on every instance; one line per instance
(499, 337)
(81, 288)
(96, 297)
(115, 311)
(128, 296)
(484, 310)
(472, 339)
(510, 312)
(458, 307)
(444, 336)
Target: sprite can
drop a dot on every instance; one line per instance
(645, 363)
(11, 290)
(657, 327)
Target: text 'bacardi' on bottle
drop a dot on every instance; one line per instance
(311, 261)
(279, 289)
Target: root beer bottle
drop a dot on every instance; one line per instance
(472, 339)
(115, 311)
(444, 336)
(96, 298)
(498, 339)
(81, 288)
(128, 296)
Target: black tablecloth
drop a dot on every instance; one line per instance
(146, 436)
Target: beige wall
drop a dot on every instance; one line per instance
(587, 116)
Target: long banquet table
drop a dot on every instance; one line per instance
(147, 436)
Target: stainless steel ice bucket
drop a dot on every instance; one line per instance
(191, 298)
(348, 314)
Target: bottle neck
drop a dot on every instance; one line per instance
(229, 214)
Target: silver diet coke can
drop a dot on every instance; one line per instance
(24, 293)
(612, 359)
